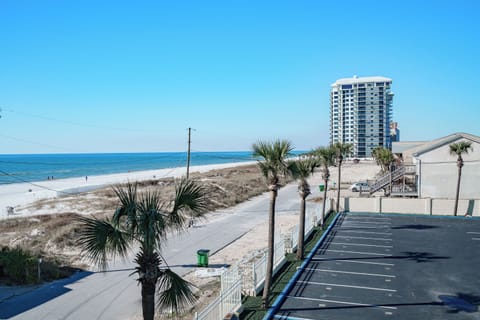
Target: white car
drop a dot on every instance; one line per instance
(359, 186)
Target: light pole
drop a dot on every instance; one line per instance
(39, 273)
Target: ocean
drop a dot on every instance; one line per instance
(39, 167)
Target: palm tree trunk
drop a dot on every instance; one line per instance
(148, 300)
(301, 231)
(458, 190)
(271, 239)
(324, 201)
(338, 184)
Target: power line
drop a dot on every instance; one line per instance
(33, 184)
(87, 125)
(32, 142)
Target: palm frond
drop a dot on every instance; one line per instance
(301, 170)
(190, 201)
(325, 156)
(273, 162)
(460, 148)
(342, 149)
(128, 205)
(174, 293)
(102, 238)
(151, 221)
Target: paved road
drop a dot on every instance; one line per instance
(115, 294)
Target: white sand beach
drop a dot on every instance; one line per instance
(18, 195)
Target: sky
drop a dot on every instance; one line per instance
(133, 76)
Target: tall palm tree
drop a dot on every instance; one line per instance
(326, 158)
(341, 150)
(143, 220)
(301, 170)
(458, 149)
(272, 165)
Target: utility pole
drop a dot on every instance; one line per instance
(188, 152)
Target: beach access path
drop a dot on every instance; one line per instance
(115, 294)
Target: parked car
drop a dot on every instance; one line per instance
(359, 186)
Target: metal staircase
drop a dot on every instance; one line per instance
(385, 180)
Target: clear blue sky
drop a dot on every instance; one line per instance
(132, 76)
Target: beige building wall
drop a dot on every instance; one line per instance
(438, 173)
(427, 206)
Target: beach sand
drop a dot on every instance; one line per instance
(20, 195)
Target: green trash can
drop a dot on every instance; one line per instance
(321, 187)
(202, 257)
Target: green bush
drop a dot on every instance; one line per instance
(18, 266)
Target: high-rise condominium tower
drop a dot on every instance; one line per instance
(360, 113)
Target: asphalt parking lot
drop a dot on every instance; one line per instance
(381, 266)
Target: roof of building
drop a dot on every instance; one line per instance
(401, 146)
(434, 144)
(356, 79)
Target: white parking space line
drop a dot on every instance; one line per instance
(355, 261)
(370, 262)
(344, 302)
(351, 272)
(361, 245)
(477, 239)
(360, 252)
(289, 318)
(347, 286)
(473, 232)
(365, 218)
(365, 238)
(367, 222)
(361, 227)
(366, 232)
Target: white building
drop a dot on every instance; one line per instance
(360, 113)
(437, 170)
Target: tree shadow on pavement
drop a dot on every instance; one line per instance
(16, 305)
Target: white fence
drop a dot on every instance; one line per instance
(284, 245)
(229, 301)
(259, 267)
(229, 278)
(291, 237)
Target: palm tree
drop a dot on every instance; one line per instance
(326, 158)
(384, 157)
(301, 170)
(458, 149)
(143, 220)
(273, 165)
(341, 150)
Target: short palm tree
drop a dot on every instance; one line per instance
(341, 150)
(326, 158)
(384, 157)
(458, 149)
(272, 165)
(301, 170)
(143, 220)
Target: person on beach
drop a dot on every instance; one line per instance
(86, 178)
